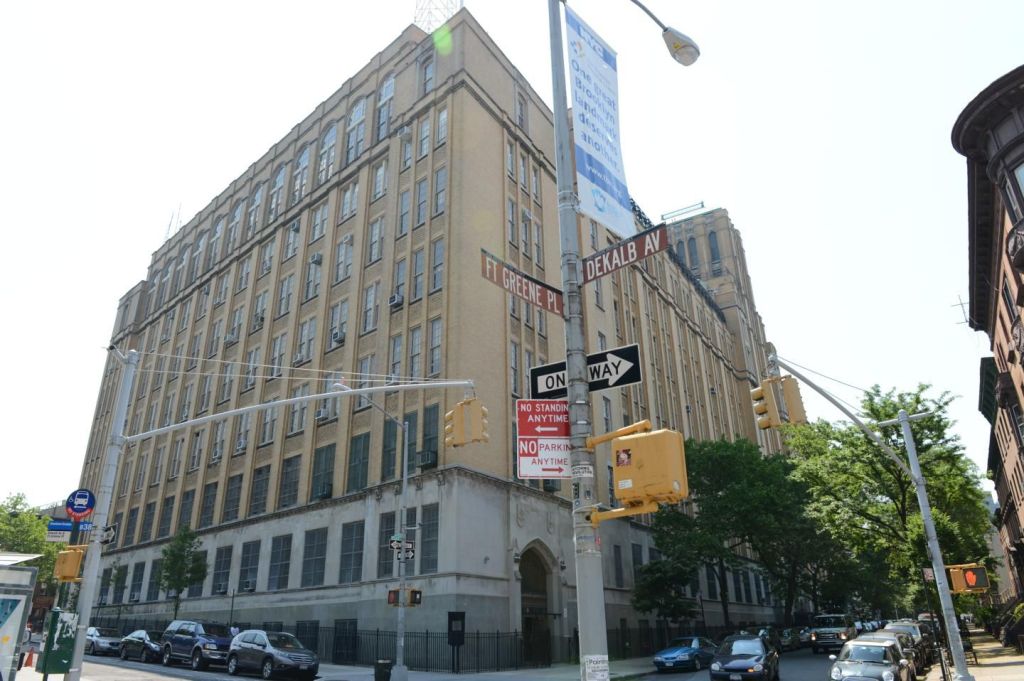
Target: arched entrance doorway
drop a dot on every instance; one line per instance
(536, 622)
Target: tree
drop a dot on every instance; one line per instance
(868, 503)
(23, 530)
(183, 565)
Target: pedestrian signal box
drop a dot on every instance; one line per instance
(69, 564)
(393, 597)
(649, 467)
(967, 578)
(415, 597)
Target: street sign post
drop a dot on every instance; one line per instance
(80, 504)
(533, 291)
(542, 444)
(625, 253)
(605, 369)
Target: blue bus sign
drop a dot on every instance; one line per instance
(80, 504)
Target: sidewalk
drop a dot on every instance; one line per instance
(619, 670)
(995, 663)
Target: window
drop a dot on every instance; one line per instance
(221, 569)
(375, 242)
(318, 224)
(713, 247)
(358, 462)
(434, 352)
(185, 509)
(429, 533)
(284, 295)
(208, 503)
(120, 577)
(232, 498)
(436, 265)
(311, 287)
(300, 175)
(617, 562)
(274, 204)
(390, 451)
(166, 516)
(442, 126)
(423, 144)
(237, 320)
(153, 588)
(511, 221)
(349, 201)
(694, 256)
(525, 227)
(244, 270)
(384, 95)
(510, 159)
(140, 474)
(250, 568)
(638, 561)
(343, 261)
(146, 533)
(380, 179)
(323, 472)
(538, 244)
(514, 366)
(421, 202)
(339, 322)
(307, 337)
(129, 528)
(277, 350)
(268, 425)
(440, 186)
(522, 171)
(427, 75)
(135, 590)
(412, 419)
(195, 455)
(429, 429)
(416, 286)
(234, 224)
(599, 293)
(385, 554)
(280, 562)
(521, 111)
(415, 352)
(535, 183)
(314, 556)
(259, 309)
(288, 488)
(371, 306)
(606, 413)
(399, 280)
(356, 131)
(403, 214)
(325, 157)
(252, 362)
(258, 490)
(395, 353)
(406, 138)
(351, 552)
(195, 590)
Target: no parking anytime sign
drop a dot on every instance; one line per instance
(542, 447)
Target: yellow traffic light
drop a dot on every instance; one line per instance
(649, 467)
(766, 410)
(476, 420)
(69, 564)
(455, 426)
(794, 403)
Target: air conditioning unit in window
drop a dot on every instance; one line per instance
(134, 597)
(396, 300)
(257, 321)
(321, 415)
(316, 259)
(249, 585)
(338, 337)
(265, 266)
(220, 589)
(427, 458)
(241, 444)
(295, 227)
(392, 379)
(215, 453)
(325, 491)
(231, 338)
(551, 485)
(171, 593)
(298, 359)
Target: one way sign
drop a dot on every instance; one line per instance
(606, 369)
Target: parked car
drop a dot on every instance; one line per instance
(142, 645)
(744, 657)
(905, 647)
(272, 653)
(869, 660)
(772, 635)
(685, 652)
(789, 639)
(102, 641)
(831, 632)
(916, 633)
(198, 643)
(805, 636)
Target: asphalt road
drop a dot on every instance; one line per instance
(795, 665)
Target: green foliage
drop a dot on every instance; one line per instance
(183, 564)
(869, 505)
(22, 530)
(660, 589)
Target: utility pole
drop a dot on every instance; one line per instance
(104, 496)
(956, 646)
(589, 575)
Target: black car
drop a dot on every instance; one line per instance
(141, 645)
(745, 657)
(869, 660)
(272, 653)
(198, 643)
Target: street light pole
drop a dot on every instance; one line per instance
(589, 576)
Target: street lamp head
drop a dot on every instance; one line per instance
(681, 47)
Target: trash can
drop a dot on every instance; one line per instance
(382, 670)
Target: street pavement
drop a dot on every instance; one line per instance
(995, 663)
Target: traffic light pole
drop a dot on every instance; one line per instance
(589, 576)
(956, 646)
(104, 496)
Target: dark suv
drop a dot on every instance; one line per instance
(198, 643)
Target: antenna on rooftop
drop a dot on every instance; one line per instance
(680, 212)
(432, 13)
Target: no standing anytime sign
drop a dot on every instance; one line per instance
(542, 448)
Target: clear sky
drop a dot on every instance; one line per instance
(823, 128)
